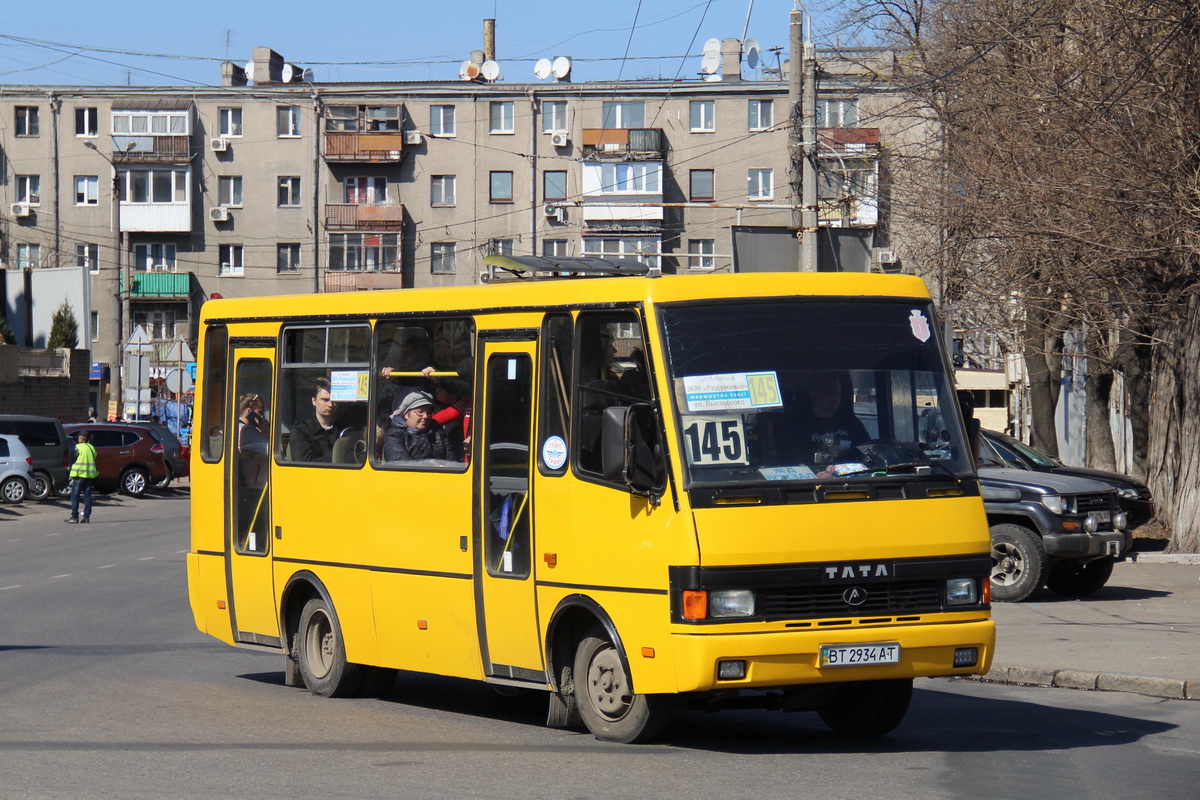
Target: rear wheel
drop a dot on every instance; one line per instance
(134, 481)
(868, 708)
(1078, 579)
(1018, 562)
(321, 654)
(42, 487)
(13, 490)
(605, 698)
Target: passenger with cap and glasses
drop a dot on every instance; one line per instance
(413, 434)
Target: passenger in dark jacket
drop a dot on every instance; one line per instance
(413, 434)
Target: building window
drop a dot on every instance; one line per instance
(500, 116)
(287, 122)
(229, 121)
(154, 186)
(631, 177)
(358, 252)
(27, 121)
(837, 113)
(87, 188)
(229, 190)
(287, 258)
(158, 324)
(289, 191)
(760, 115)
(29, 189)
(441, 190)
(88, 255)
(157, 122)
(554, 116)
(701, 184)
(623, 114)
(441, 258)
(554, 185)
(364, 190)
(554, 247)
(760, 184)
(441, 120)
(362, 119)
(501, 247)
(231, 260)
(702, 115)
(643, 248)
(702, 251)
(94, 326)
(501, 187)
(29, 256)
(158, 256)
(86, 123)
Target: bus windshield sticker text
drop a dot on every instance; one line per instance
(554, 452)
(732, 391)
(796, 473)
(348, 385)
(712, 440)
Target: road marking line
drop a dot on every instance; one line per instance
(146, 558)
(6, 588)
(107, 566)
(64, 575)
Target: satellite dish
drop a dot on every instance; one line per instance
(712, 77)
(249, 70)
(542, 69)
(468, 71)
(753, 52)
(490, 70)
(561, 68)
(711, 60)
(289, 72)
(306, 75)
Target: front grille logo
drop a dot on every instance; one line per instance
(854, 596)
(850, 572)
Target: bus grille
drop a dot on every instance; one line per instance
(811, 602)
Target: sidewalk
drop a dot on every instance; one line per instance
(1140, 633)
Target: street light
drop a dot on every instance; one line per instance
(123, 287)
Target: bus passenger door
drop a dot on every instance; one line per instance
(504, 589)
(248, 500)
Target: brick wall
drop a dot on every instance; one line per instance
(62, 397)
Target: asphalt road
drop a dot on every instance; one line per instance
(109, 691)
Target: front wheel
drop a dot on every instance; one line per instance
(134, 481)
(1018, 562)
(13, 490)
(1078, 579)
(321, 654)
(42, 487)
(605, 698)
(868, 708)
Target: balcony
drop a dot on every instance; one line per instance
(159, 285)
(352, 217)
(172, 149)
(362, 280)
(848, 141)
(633, 144)
(364, 148)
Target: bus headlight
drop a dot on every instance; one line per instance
(731, 603)
(962, 592)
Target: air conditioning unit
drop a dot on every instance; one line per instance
(883, 256)
(413, 136)
(20, 209)
(218, 214)
(559, 139)
(553, 212)
(218, 145)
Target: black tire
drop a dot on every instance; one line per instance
(321, 654)
(868, 708)
(377, 681)
(605, 700)
(1077, 579)
(43, 486)
(134, 481)
(13, 490)
(164, 483)
(1019, 563)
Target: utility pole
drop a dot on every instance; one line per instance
(123, 287)
(803, 78)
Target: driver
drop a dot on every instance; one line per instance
(825, 425)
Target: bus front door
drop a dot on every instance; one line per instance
(248, 501)
(504, 589)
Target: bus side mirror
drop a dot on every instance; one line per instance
(966, 404)
(629, 451)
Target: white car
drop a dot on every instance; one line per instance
(16, 469)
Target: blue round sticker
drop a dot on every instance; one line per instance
(554, 452)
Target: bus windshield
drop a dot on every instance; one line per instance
(805, 390)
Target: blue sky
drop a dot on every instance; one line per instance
(74, 42)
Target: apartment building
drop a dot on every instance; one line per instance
(270, 183)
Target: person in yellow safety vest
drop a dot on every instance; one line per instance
(83, 475)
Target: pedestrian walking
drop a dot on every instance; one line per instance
(83, 475)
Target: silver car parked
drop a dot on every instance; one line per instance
(16, 469)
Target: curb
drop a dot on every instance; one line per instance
(1192, 559)
(1171, 688)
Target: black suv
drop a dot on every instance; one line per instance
(1133, 495)
(1059, 531)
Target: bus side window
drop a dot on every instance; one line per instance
(612, 372)
(322, 406)
(212, 415)
(555, 403)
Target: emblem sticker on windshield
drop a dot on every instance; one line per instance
(919, 324)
